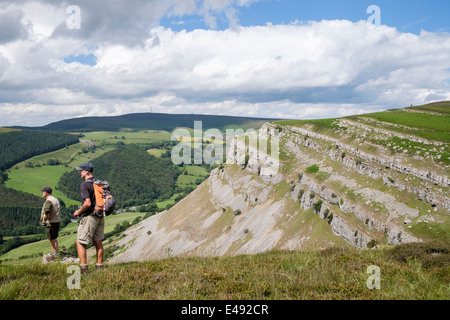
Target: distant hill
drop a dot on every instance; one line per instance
(153, 121)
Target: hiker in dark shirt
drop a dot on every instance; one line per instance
(91, 226)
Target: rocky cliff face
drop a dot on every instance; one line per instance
(321, 188)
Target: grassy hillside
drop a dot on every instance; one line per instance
(419, 134)
(442, 107)
(276, 275)
(427, 121)
(32, 180)
(424, 125)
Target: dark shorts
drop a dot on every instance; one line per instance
(53, 230)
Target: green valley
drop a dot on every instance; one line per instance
(131, 147)
(350, 193)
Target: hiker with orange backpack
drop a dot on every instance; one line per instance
(92, 225)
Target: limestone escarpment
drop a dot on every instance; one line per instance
(230, 213)
(319, 189)
(386, 193)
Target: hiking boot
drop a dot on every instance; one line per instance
(84, 268)
(98, 266)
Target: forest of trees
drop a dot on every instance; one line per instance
(135, 176)
(12, 217)
(17, 146)
(20, 211)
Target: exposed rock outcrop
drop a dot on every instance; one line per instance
(261, 201)
(66, 259)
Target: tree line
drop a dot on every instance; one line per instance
(18, 146)
(20, 220)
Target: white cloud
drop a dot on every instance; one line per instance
(316, 69)
(309, 61)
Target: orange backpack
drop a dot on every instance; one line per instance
(104, 200)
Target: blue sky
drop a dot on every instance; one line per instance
(257, 58)
(407, 16)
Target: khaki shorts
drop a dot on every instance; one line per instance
(91, 228)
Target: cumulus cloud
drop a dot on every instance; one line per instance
(313, 70)
(11, 26)
(320, 62)
(103, 21)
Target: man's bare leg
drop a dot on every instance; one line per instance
(81, 249)
(99, 247)
(54, 244)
